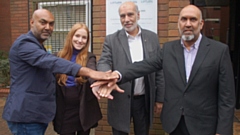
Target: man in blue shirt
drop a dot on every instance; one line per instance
(30, 105)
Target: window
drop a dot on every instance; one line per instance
(66, 14)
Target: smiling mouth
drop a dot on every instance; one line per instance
(46, 34)
(128, 25)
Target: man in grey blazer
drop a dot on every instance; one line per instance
(120, 49)
(200, 96)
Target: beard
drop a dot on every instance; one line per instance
(134, 26)
(187, 37)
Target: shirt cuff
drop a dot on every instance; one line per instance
(120, 75)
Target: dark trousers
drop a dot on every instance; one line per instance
(79, 133)
(181, 128)
(19, 128)
(140, 117)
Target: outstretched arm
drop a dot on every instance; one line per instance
(96, 75)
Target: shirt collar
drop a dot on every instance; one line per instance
(139, 32)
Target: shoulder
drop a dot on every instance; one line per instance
(149, 34)
(213, 43)
(148, 31)
(173, 42)
(26, 42)
(116, 34)
(28, 38)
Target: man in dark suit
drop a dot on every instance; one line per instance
(120, 49)
(200, 96)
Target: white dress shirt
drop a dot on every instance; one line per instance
(136, 52)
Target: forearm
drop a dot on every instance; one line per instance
(84, 71)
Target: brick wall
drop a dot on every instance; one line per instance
(168, 11)
(5, 25)
(13, 21)
(19, 18)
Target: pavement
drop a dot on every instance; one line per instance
(5, 131)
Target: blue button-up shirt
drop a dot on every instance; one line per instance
(190, 55)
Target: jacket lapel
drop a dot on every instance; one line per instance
(30, 34)
(201, 54)
(123, 40)
(178, 50)
(145, 44)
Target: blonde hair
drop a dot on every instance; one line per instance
(67, 52)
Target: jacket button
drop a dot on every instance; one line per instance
(129, 96)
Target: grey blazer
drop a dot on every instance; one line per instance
(115, 56)
(207, 100)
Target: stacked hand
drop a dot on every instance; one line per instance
(97, 75)
(104, 88)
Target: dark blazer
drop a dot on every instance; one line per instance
(116, 55)
(89, 112)
(207, 100)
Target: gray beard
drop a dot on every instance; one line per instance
(187, 38)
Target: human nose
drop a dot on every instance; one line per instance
(188, 23)
(80, 39)
(47, 26)
(126, 19)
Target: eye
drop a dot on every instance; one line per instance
(43, 23)
(183, 19)
(130, 14)
(122, 16)
(51, 23)
(193, 19)
(84, 37)
(76, 35)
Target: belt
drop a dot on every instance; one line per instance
(138, 96)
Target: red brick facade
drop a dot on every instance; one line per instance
(5, 25)
(14, 21)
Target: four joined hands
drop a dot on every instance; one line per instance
(105, 87)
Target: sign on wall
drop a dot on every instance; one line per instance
(148, 15)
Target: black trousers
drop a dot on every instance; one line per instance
(139, 115)
(181, 128)
(78, 133)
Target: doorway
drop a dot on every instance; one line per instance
(234, 41)
(222, 23)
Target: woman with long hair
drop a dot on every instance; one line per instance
(77, 108)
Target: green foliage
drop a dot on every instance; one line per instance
(4, 69)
